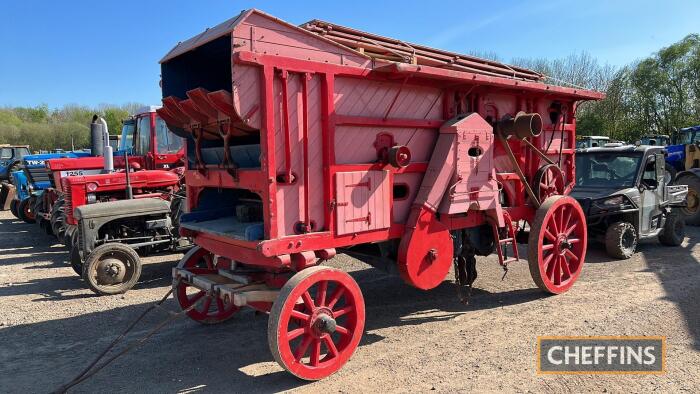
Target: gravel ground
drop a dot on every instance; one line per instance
(51, 327)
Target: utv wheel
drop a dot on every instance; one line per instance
(112, 268)
(674, 230)
(692, 210)
(25, 211)
(14, 208)
(621, 240)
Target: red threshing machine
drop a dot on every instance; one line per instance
(305, 141)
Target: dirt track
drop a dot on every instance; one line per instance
(51, 326)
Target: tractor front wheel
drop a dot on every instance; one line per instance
(557, 244)
(316, 322)
(75, 256)
(25, 211)
(112, 268)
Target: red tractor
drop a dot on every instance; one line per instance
(146, 139)
(308, 141)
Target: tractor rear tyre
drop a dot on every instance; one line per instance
(674, 230)
(25, 211)
(621, 240)
(316, 322)
(557, 244)
(14, 208)
(112, 268)
(692, 210)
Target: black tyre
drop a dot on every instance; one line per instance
(14, 208)
(670, 174)
(4, 193)
(58, 219)
(621, 240)
(674, 230)
(692, 210)
(112, 268)
(25, 210)
(76, 257)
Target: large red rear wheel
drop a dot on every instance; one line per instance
(316, 322)
(557, 244)
(210, 310)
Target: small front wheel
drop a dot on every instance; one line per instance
(316, 322)
(25, 210)
(621, 240)
(112, 268)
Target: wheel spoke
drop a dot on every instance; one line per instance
(303, 347)
(573, 240)
(549, 235)
(567, 219)
(547, 247)
(549, 265)
(300, 315)
(332, 349)
(308, 301)
(554, 223)
(206, 305)
(571, 254)
(343, 311)
(196, 297)
(294, 334)
(315, 352)
(341, 330)
(565, 268)
(339, 291)
(208, 261)
(557, 271)
(321, 296)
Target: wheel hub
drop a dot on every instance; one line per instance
(322, 322)
(111, 271)
(693, 201)
(563, 244)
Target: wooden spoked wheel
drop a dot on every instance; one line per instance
(557, 244)
(211, 310)
(549, 181)
(316, 322)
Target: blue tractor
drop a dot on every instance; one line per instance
(30, 181)
(683, 161)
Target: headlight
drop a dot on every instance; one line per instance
(614, 203)
(91, 198)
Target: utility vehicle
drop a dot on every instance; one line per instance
(625, 196)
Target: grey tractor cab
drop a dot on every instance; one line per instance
(625, 194)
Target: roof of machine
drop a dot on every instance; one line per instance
(392, 55)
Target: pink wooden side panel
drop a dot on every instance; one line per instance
(363, 201)
(362, 97)
(263, 34)
(246, 93)
(361, 139)
(290, 198)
